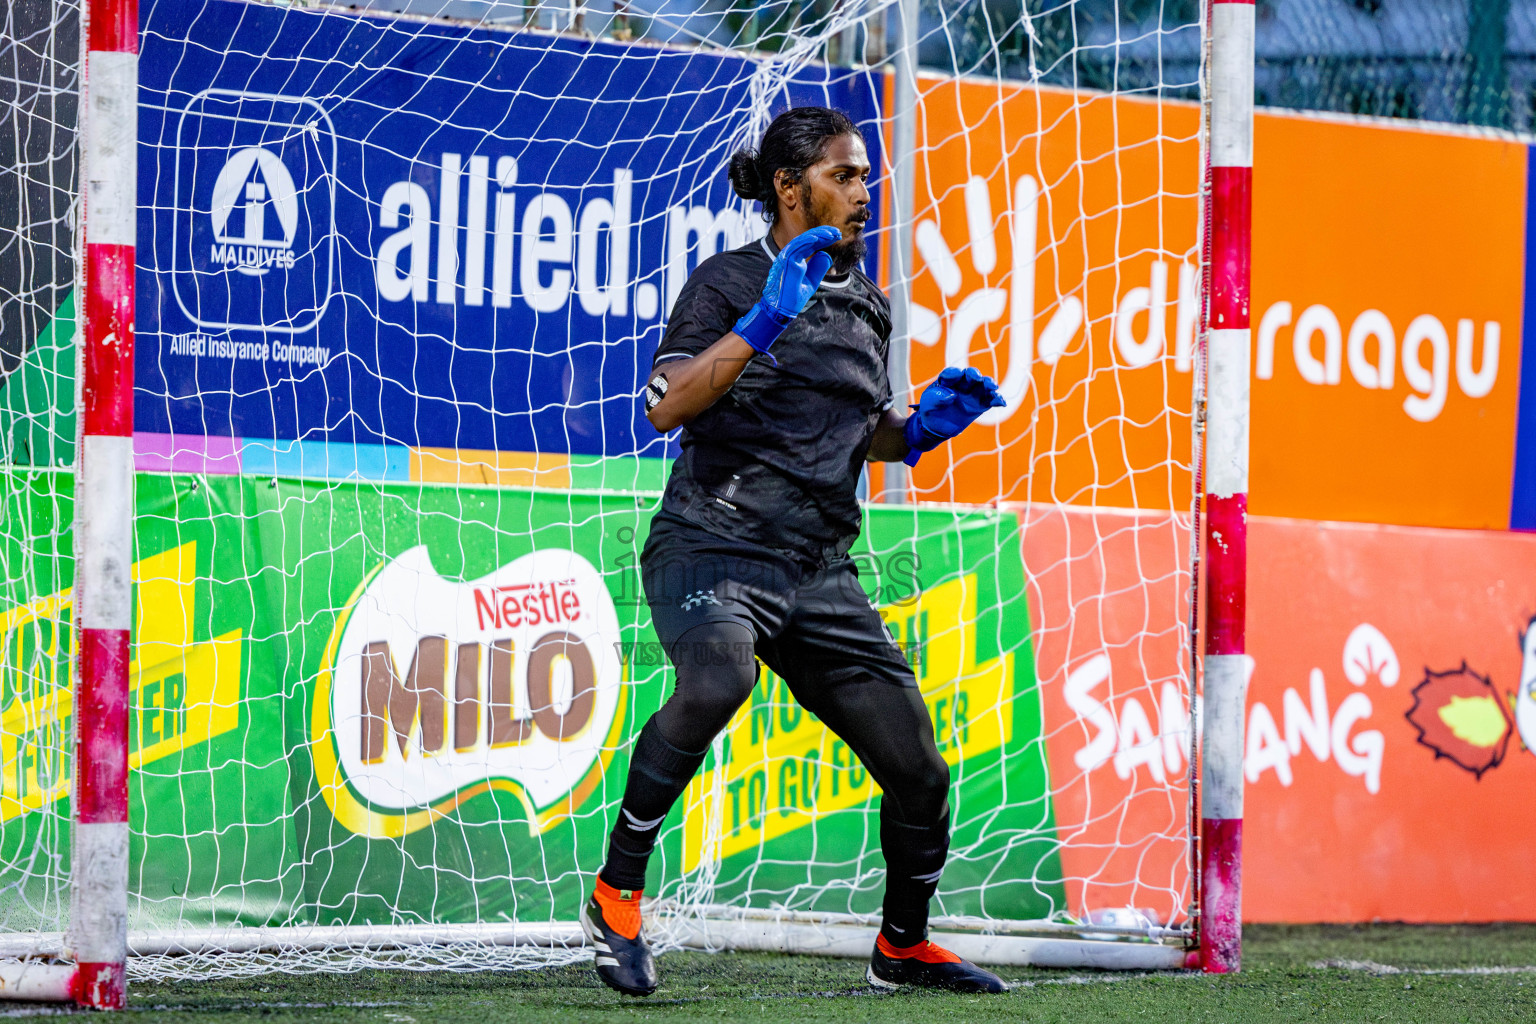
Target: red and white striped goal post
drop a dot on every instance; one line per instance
(97, 939)
(1228, 249)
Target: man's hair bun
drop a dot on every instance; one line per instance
(797, 139)
(746, 180)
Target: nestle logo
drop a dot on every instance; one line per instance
(437, 689)
(526, 604)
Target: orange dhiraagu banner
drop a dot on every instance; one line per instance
(1388, 280)
(1391, 715)
(1047, 223)
(1387, 276)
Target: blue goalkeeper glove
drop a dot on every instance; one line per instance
(792, 280)
(948, 406)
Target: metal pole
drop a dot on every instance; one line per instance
(98, 927)
(1227, 336)
(903, 161)
(1487, 78)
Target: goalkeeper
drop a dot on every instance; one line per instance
(774, 363)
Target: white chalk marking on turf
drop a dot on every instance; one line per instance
(1372, 967)
(1104, 979)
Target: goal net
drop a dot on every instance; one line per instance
(399, 278)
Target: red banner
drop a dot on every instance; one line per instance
(1390, 720)
(1391, 715)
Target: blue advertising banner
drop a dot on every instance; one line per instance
(381, 231)
(1522, 502)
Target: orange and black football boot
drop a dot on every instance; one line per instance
(927, 965)
(611, 920)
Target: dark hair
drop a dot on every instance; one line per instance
(795, 140)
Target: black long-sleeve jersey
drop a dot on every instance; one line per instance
(776, 459)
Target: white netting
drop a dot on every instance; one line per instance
(400, 278)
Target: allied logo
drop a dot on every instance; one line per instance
(254, 188)
(435, 691)
(254, 238)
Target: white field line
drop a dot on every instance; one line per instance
(1367, 966)
(1107, 978)
(1372, 967)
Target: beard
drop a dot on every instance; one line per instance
(850, 251)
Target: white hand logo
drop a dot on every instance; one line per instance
(986, 305)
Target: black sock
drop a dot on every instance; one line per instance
(914, 860)
(658, 774)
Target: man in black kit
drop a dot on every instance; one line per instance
(774, 362)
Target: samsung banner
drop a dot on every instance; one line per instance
(382, 231)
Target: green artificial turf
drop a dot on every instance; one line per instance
(1294, 973)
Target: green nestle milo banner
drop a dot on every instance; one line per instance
(362, 702)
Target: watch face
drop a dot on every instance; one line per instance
(655, 391)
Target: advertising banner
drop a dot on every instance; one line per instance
(459, 274)
(1056, 244)
(351, 702)
(1391, 714)
(421, 235)
(1108, 594)
(1056, 239)
(1388, 283)
(357, 702)
(1391, 724)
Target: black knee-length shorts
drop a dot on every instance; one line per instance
(815, 626)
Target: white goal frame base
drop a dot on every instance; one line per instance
(30, 972)
(851, 940)
(37, 980)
